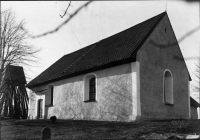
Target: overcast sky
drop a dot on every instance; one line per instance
(100, 20)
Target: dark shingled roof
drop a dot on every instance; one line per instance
(114, 50)
(194, 103)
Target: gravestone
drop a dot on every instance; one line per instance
(46, 133)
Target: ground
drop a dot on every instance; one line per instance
(74, 129)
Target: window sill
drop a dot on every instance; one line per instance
(90, 101)
(170, 104)
(48, 105)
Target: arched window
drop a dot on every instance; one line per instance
(92, 89)
(89, 88)
(51, 92)
(168, 87)
(49, 95)
(40, 108)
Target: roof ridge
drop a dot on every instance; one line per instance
(65, 70)
(74, 61)
(70, 68)
(150, 30)
(163, 13)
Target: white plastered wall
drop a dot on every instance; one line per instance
(135, 67)
(64, 88)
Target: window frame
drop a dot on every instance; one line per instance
(87, 88)
(52, 92)
(166, 102)
(92, 89)
(50, 95)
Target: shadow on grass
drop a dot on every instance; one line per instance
(83, 129)
(167, 120)
(78, 124)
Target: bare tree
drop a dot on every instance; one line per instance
(196, 83)
(14, 50)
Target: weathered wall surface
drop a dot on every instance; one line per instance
(33, 101)
(194, 114)
(114, 97)
(161, 52)
(32, 104)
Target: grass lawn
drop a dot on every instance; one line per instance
(74, 129)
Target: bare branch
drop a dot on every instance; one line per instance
(189, 33)
(66, 10)
(62, 24)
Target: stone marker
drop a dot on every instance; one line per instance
(192, 137)
(46, 133)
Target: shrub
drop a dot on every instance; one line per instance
(53, 119)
